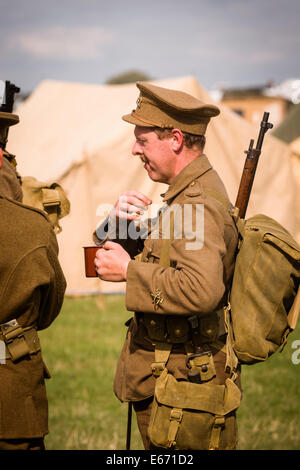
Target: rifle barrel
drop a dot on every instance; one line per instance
(264, 126)
(250, 166)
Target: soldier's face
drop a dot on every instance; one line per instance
(156, 154)
(1, 157)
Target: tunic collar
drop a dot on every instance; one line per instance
(193, 170)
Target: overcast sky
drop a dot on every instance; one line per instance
(233, 43)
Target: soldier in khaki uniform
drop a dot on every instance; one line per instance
(32, 287)
(177, 285)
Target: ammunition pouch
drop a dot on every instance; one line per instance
(176, 329)
(191, 416)
(19, 341)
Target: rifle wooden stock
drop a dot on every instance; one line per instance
(250, 166)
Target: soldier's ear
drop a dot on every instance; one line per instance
(177, 137)
(1, 157)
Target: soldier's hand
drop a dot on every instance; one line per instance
(131, 204)
(111, 262)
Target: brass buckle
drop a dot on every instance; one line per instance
(157, 368)
(11, 330)
(176, 415)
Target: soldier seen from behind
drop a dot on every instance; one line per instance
(32, 287)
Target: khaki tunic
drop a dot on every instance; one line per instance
(32, 287)
(196, 282)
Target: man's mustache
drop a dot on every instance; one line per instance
(144, 159)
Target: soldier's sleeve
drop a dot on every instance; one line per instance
(109, 229)
(36, 287)
(194, 282)
(53, 295)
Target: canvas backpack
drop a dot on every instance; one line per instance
(264, 300)
(50, 198)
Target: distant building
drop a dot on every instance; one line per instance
(251, 103)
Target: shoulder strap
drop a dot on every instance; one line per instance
(294, 311)
(162, 354)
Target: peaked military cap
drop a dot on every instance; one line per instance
(165, 108)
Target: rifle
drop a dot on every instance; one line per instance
(6, 110)
(9, 97)
(250, 167)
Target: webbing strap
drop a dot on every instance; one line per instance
(162, 353)
(231, 358)
(50, 197)
(175, 420)
(294, 311)
(52, 206)
(292, 319)
(219, 423)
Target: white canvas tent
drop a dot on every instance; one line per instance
(295, 156)
(73, 134)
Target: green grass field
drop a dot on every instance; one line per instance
(81, 349)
